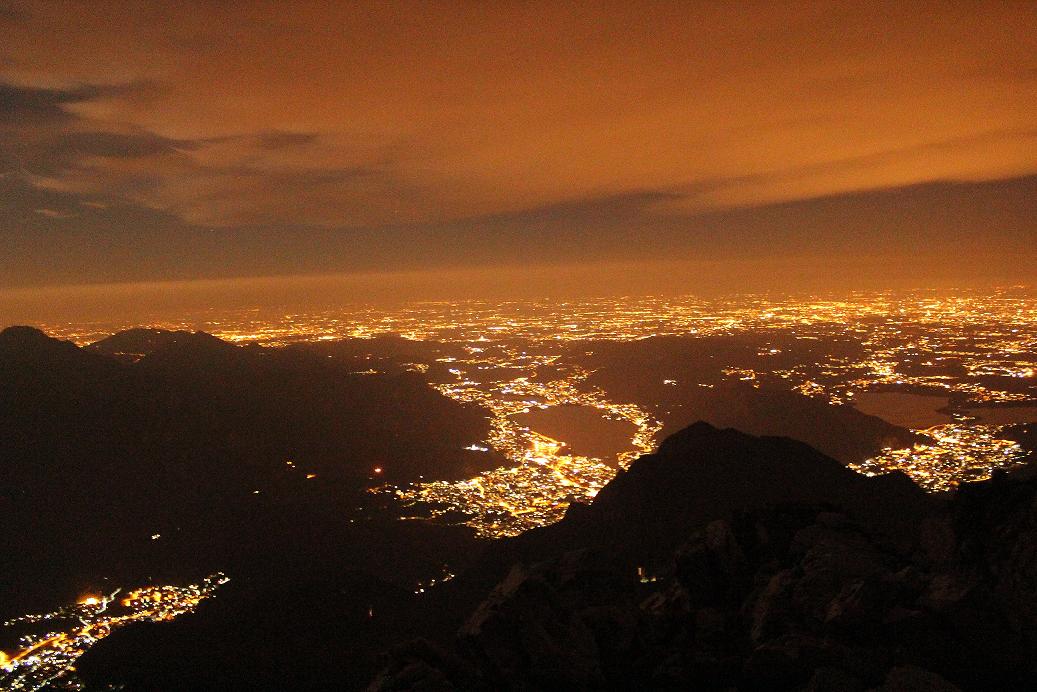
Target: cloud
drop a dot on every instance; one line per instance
(41, 135)
(234, 182)
(273, 176)
(54, 214)
(276, 139)
(424, 133)
(29, 105)
(441, 112)
(939, 230)
(963, 158)
(36, 106)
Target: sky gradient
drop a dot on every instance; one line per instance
(177, 141)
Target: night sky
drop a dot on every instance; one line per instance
(856, 143)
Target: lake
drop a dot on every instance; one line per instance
(917, 411)
(582, 428)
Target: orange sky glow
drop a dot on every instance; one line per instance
(148, 141)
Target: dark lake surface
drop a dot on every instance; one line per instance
(916, 411)
(582, 428)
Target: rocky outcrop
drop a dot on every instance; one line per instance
(789, 596)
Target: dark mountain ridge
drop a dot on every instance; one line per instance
(703, 473)
(786, 572)
(681, 380)
(207, 444)
(722, 561)
(134, 344)
(767, 585)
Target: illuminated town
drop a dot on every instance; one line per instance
(517, 359)
(47, 659)
(514, 358)
(465, 345)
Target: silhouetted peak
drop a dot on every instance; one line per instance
(23, 334)
(702, 472)
(140, 342)
(697, 428)
(701, 448)
(171, 349)
(701, 444)
(697, 432)
(31, 340)
(29, 355)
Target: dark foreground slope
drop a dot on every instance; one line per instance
(763, 565)
(320, 630)
(702, 473)
(812, 592)
(232, 457)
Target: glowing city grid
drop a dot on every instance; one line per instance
(511, 358)
(906, 340)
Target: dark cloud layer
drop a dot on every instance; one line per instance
(159, 140)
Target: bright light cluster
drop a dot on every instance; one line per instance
(514, 357)
(955, 453)
(47, 659)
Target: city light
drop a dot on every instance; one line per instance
(47, 660)
(513, 358)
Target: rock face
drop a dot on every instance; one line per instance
(724, 561)
(786, 595)
(700, 474)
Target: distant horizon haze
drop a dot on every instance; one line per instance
(143, 302)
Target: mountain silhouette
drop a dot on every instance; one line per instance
(697, 475)
(723, 561)
(681, 380)
(782, 574)
(134, 344)
(218, 448)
